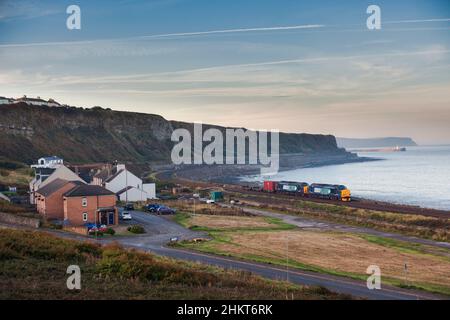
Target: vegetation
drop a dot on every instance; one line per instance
(33, 266)
(98, 135)
(9, 207)
(409, 224)
(136, 229)
(335, 253)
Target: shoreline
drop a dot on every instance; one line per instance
(223, 176)
(232, 174)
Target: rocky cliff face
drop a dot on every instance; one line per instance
(100, 135)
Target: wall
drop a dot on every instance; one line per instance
(19, 220)
(73, 210)
(52, 207)
(134, 195)
(150, 188)
(125, 178)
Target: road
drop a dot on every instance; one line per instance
(161, 229)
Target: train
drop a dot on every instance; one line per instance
(314, 190)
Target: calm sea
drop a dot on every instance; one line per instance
(419, 176)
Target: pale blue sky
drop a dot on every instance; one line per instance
(234, 63)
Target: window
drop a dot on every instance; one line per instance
(85, 216)
(84, 202)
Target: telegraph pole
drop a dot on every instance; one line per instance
(126, 185)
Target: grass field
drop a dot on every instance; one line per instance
(409, 224)
(329, 252)
(33, 266)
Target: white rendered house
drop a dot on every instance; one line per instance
(126, 185)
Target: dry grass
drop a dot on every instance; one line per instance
(33, 266)
(227, 222)
(19, 177)
(336, 252)
(203, 208)
(409, 224)
(340, 252)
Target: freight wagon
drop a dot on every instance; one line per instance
(329, 191)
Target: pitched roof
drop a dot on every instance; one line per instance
(114, 176)
(45, 171)
(54, 186)
(124, 189)
(51, 158)
(87, 190)
(31, 99)
(103, 174)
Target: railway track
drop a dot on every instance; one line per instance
(357, 203)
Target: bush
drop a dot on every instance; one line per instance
(136, 229)
(95, 233)
(4, 173)
(11, 207)
(110, 231)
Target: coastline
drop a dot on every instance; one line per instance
(233, 174)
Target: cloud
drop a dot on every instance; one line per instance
(417, 21)
(13, 9)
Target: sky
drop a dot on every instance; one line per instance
(296, 66)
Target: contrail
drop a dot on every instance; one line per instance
(167, 35)
(308, 26)
(419, 21)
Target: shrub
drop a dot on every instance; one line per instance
(110, 231)
(11, 207)
(4, 173)
(136, 229)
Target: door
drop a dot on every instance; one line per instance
(111, 218)
(103, 218)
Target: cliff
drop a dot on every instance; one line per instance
(102, 135)
(375, 142)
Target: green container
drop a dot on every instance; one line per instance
(216, 195)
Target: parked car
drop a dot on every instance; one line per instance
(210, 201)
(125, 216)
(152, 207)
(165, 210)
(129, 206)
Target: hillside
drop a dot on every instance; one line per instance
(103, 135)
(349, 143)
(34, 265)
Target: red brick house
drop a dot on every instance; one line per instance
(49, 199)
(90, 204)
(77, 203)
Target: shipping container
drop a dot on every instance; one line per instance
(216, 195)
(270, 186)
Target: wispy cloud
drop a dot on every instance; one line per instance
(418, 21)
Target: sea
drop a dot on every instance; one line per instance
(419, 176)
